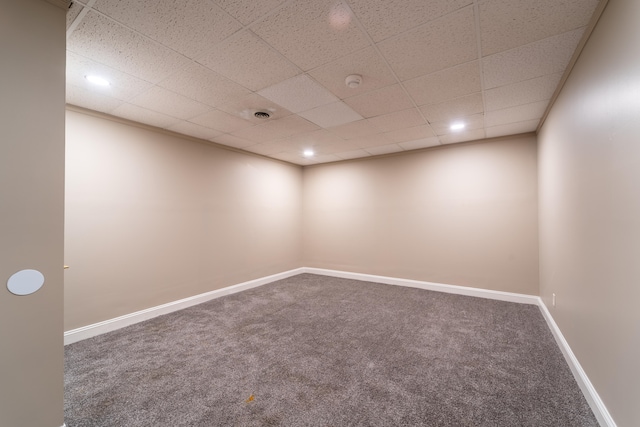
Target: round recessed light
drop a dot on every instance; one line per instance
(457, 126)
(353, 81)
(97, 80)
(308, 153)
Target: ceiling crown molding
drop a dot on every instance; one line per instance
(64, 4)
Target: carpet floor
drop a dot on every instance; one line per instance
(320, 351)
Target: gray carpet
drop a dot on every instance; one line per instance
(320, 351)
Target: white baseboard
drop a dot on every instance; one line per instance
(593, 399)
(430, 286)
(95, 329)
(589, 392)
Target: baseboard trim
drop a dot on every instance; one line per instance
(430, 286)
(99, 328)
(591, 395)
(588, 390)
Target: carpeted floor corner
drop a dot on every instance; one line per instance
(319, 351)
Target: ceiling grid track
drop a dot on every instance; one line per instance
(85, 9)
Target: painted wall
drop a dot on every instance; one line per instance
(464, 214)
(153, 218)
(590, 210)
(32, 42)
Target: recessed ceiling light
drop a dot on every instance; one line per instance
(97, 80)
(457, 126)
(308, 153)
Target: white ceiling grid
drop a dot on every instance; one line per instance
(203, 68)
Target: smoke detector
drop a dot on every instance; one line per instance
(353, 81)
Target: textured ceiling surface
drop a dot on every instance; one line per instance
(204, 67)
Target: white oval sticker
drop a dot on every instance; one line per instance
(25, 282)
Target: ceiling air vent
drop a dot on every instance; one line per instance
(262, 115)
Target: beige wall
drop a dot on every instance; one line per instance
(590, 210)
(463, 214)
(32, 42)
(152, 218)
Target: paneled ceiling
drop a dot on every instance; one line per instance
(204, 67)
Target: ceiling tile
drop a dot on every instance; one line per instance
(83, 97)
(312, 32)
(547, 56)
(354, 130)
(192, 129)
(286, 156)
(275, 129)
(300, 93)
(232, 141)
(443, 43)
(326, 148)
(445, 85)
(292, 158)
(297, 158)
(246, 106)
(335, 114)
(384, 149)
(473, 122)
(302, 142)
(505, 24)
(320, 141)
(249, 61)
(519, 113)
(326, 158)
(470, 135)
(370, 141)
(266, 149)
(367, 63)
(410, 134)
(221, 121)
(282, 146)
(247, 11)
(352, 154)
(105, 41)
(512, 128)
(420, 143)
(122, 86)
(386, 18)
(380, 101)
(525, 92)
(313, 138)
(204, 85)
(398, 120)
(451, 110)
(142, 115)
(188, 26)
(170, 103)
